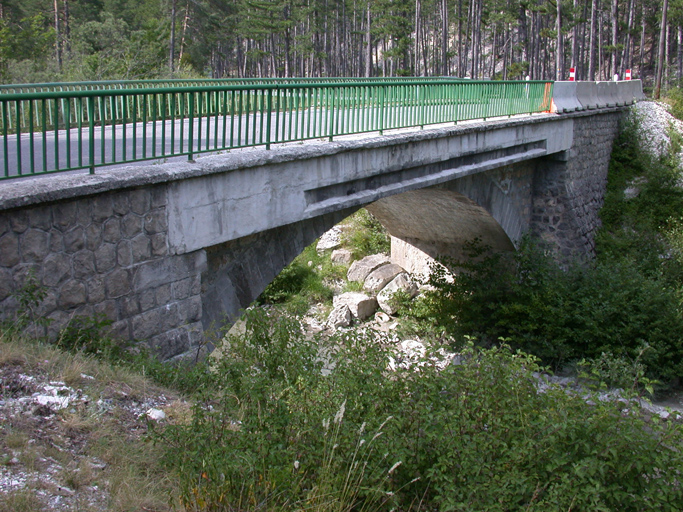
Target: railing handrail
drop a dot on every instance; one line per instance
(64, 130)
(134, 83)
(239, 87)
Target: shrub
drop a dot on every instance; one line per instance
(300, 283)
(365, 235)
(278, 433)
(560, 315)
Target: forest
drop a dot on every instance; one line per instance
(76, 40)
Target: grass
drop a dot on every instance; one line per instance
(89, 445)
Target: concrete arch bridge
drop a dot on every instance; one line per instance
(166, 251)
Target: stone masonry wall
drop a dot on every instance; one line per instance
(569, 191)
(105, 255)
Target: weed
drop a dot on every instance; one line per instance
(20, 500)
(365, 235)
(276, 433)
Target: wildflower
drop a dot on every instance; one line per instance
(340, 413)
(392, 468)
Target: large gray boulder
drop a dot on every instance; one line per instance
(402, 282)
(360, 269)
(380, 277)
(362, 306)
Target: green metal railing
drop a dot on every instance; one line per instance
(63, 130)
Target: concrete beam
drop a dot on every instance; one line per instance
(230, 203)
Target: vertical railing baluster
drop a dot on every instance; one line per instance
(190, 128)
(5, 130)
(91, 133)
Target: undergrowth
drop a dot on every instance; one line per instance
(276, 432)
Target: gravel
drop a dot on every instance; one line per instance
(654, 124)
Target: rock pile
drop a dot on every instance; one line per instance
(654, 126)
(381, 280)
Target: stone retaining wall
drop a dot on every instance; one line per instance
(569, 189)
(105, 255)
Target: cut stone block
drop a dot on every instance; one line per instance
(400, 282)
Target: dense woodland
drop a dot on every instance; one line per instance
(60, 40)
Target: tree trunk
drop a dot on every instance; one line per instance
(368, 43)
(660, 58)
(559, 52)
(418, 14)
(182, 38)
(626, 55)
(171, 52)
(58, 40)
(445, 71)
(642, 43)
(591, 50)
(615, 34)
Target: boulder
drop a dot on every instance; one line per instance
(361, 305)
(341, 256)
(401, 282)
(340, 317)
(382, 317)
(329, 240)
(360, 269)
(380, 277)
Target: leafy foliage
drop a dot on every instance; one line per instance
(561, 314)
(366, 235)
(302, 282)
(278, 433)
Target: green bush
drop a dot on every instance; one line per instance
(365, 235)
(301, 283)
(675, 99)
(561, 314)
(278, 433)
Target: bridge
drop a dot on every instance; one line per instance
(166, 251)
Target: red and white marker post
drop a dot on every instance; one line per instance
(572, 74)
(628, 75)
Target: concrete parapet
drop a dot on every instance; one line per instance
(564, 97)
(587, 94)
(637, 89)
(607, 92)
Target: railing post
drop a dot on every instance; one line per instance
(330, 113)
(421, 105)
(381, 108)
(91, 133)
(190, 128)
(269, 106)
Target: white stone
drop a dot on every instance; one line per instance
(341, 256)
(361, 305)
(360, 269)
(156, 414)
(401, 282)
(340, 317)
(380, 277)
(330, 240)
(382, 317)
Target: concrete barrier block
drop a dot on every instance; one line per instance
(564, 97)
(606, 94)
(638, 93)
(587, 94)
